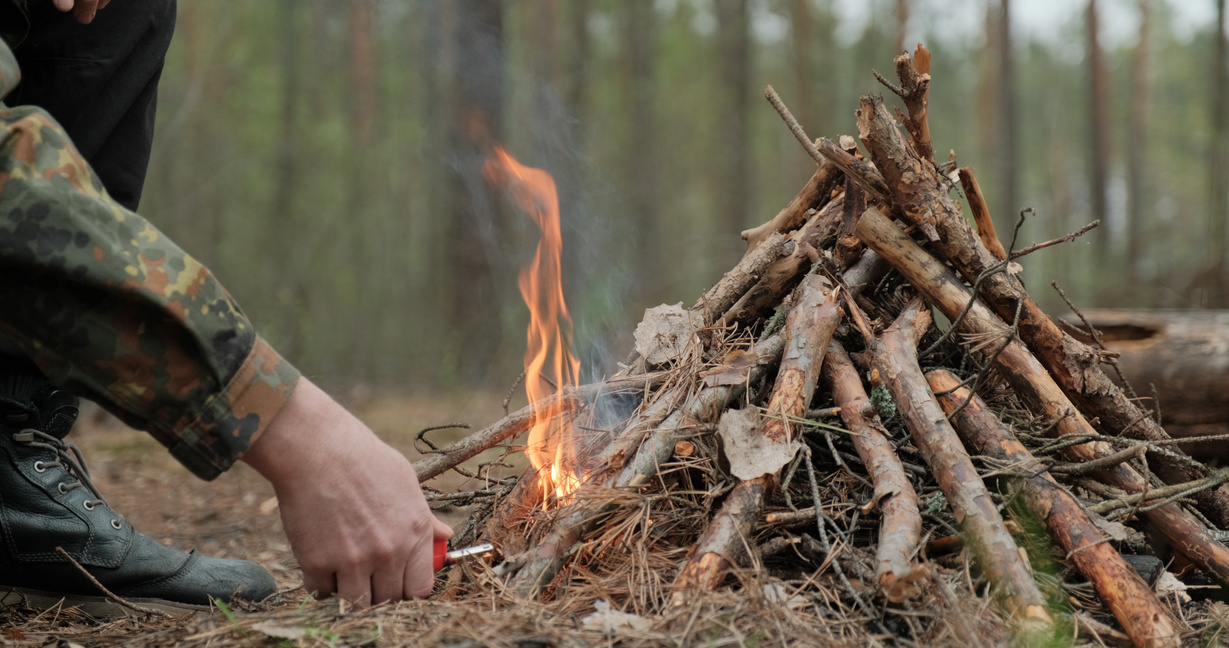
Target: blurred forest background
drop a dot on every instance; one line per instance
(323, 156)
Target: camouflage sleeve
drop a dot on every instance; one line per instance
(112, 310)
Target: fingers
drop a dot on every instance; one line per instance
(439, 529)
(83, 10)
(318, 583)
(355, 586)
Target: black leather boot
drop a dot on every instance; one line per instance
(47, 502)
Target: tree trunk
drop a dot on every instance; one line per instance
(477, 282)
(641, 157)
(1098, 129)
(1008, 126)
(1218, 169)
(1137, 152)
(902, 25)
(734, 123)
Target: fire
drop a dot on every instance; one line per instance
(547, 356)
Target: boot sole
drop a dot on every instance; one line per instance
(99, 607)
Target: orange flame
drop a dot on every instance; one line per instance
(547, 356)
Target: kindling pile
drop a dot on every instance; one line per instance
(808, 430)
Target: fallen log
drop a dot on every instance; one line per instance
(995, 343)
(1118, 585)
(1178, 357)
(1011, 579)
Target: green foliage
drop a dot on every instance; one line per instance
(318, 197)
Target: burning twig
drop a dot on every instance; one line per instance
(521, 420)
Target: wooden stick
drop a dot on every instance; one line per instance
(1075, 366)
(814, 195)
(108, 593)
(901, 529)
(546, 559)
(566, 401)
(794, 126)
(1118, 585)
(854, 167)
(1032, 383)
(914, 90)
(1160, 494)
(740, 279)
(810, 327)
(981, 214)
(783, 275)
(895, 357)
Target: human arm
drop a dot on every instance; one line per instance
(111, 309)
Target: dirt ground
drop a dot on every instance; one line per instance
(236, 515)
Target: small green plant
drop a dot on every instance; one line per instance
(230, 616)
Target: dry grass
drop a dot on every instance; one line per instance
(789, 596)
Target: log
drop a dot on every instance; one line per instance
(740, 278)
(901, 528)
(784, 274)
(854, 167)
(914, 90)
(1184, 355)
(908, 176)
(566, 401)
(917, 190)
(814, 195)
(1118, 585)
(895, 357)
(723, 544)
(1032, 383)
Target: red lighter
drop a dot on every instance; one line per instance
(444, 557)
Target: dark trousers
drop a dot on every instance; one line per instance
(100, 81)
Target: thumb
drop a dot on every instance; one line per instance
(440, 530)
(64, 5)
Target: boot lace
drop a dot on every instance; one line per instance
(68, 457)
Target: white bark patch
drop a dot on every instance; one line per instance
(750, 453)
(664, 332)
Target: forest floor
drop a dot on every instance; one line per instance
(235, 516)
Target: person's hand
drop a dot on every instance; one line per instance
(83, 10)
(351, 506)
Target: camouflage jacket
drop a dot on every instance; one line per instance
(112, 310)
